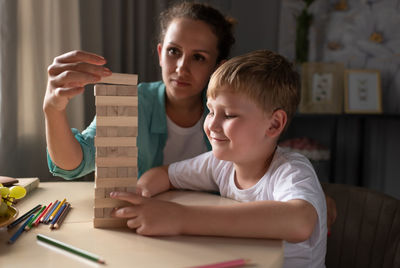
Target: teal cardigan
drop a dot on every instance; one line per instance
(152, 134)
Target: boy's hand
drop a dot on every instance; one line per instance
(150, 216)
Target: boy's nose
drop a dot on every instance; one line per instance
(215, 124)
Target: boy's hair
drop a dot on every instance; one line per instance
(266, 77)
(221, 26)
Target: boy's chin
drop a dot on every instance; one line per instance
(221, 155)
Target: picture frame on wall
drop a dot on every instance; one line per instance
(321, 88)
(363, 93)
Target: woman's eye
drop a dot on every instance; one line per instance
(199, 57)
(172, 51)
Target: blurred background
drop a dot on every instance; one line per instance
(358, 148)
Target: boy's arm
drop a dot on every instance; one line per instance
(292, 221)
(154, 181)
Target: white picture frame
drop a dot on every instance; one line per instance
(363, 91)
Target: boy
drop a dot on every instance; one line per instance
(251, 99)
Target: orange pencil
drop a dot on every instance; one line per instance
(41, 215)
(56, 210)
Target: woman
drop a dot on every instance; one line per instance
(194, 40)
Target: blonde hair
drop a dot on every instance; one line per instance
(265, 77)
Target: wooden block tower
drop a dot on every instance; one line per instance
(115, 142)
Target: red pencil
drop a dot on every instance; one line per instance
(226, 264)
(39, 219)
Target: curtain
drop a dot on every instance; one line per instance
(33, 33)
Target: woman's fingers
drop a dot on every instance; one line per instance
(80, 56)
(72, 78)
(56, 69)
(69, 92)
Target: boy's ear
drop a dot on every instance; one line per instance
(277, 123)
(159, 49)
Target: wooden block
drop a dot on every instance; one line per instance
(111, 90)
(117, 121)
(99, 212)
(109, 222)
(127, 151)
(126, 90)
(132, 172)
(116, 161)
(127, 131)
(99, 192)
(111, 110)
(101, 110)
(107, 212)
(100, 90)
(122, 172)
(127, 111)
(100, 172)
(116, 131)
(115, 141)
(116, 100)
(129, 182)
(110, 203)
(120, 79)
(101, 151)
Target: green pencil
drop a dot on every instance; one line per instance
(29, 225)
(70, 248)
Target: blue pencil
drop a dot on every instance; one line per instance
(46, 220)
(57, 215)
(20, 230)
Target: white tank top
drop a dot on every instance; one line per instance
(183, 143)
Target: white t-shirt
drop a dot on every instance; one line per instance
(183, 143)
(290, 176)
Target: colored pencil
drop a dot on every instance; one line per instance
(57, 216)
(41, 217)
(36, 223)
(29, 225)
(23, 217)
(20, 230)
(62, 217)
(226, 264)
(56, 210)
(46, 220)
(72, 249)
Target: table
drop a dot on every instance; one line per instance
(123, 247)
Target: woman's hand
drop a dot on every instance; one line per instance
(67, 76)
(153, 182)
(150, 216)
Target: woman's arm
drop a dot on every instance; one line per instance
(67, 76)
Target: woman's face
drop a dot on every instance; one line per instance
(187, 58)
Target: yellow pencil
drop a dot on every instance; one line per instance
(55, 211)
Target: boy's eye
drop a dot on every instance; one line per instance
(199, 57)
(230, 116)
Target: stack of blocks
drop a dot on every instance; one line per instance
(115, 142)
